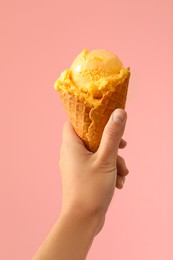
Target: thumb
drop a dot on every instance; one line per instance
(112, 135)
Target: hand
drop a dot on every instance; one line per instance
(89, 179)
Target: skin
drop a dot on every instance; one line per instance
(88, 182)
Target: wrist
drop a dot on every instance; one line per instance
(92, 222)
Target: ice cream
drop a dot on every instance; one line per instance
(89, 67)
(91, 89)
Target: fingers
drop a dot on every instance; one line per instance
(120, 181)
(122, 144)
(121, 166)
(70, 138)
(112, 135)
(122, 171)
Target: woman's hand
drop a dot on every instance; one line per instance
(89, 179)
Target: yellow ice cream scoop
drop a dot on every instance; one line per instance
(90, 90)
(91, 66)
(92, 74)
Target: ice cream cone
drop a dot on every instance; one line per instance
(90, 119)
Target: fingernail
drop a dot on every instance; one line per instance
(119, 115)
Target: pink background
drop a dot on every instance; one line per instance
(38, 40)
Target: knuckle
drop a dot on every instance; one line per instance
(110, 134)
(113, 132)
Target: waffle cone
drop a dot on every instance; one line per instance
(89, 120)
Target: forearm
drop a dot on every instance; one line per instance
(70, 238)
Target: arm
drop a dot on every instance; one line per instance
(88, 182)
(70, 238)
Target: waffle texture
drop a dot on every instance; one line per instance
(89, 120)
